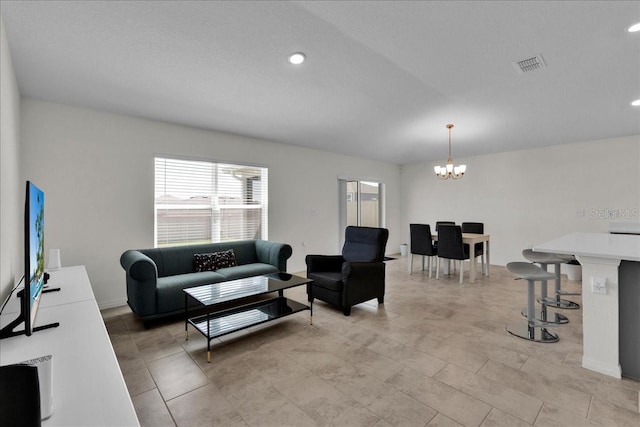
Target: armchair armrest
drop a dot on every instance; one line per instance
(362, 271)
(273, 253)
(362, 281)
(323, 263)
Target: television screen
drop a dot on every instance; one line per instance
(34, 253)
(34, 275)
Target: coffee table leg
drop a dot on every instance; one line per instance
(186, 319)
(208, 339)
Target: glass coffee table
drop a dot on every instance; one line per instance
(215, 324)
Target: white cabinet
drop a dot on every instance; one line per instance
(88, 387)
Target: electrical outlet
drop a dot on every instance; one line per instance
(599, 285)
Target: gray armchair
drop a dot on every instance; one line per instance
(355, 276)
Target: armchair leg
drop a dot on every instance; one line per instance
(346, 311)
(461, 272)
(437, 268)
(381, 300)
(410, 263)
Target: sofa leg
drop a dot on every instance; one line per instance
(381, 300)
(346, 311)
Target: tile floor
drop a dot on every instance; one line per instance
(435, 354)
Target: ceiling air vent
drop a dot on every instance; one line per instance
(529, 64)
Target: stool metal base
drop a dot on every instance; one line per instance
(530, 332)
(561, 292)
(559, 303)
(545, 317)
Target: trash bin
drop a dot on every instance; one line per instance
(403, 249)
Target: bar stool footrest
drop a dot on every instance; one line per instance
(548, 318)
(536, 333)
(561, 292)
(563, 303)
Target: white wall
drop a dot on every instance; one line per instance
(530, 196)
(96, 170)
(11, 192)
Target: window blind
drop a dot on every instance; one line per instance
(201, 202)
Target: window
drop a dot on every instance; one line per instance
(363, 203)
(203, 202)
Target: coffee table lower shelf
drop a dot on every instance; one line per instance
(217, 324)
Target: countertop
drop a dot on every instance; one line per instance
(600, 245)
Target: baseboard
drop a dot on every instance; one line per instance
(103, 305)
(603, 368)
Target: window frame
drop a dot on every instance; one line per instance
(210, 213)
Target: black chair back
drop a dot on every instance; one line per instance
(421, 242)
(365, 244)
(477, 228)
(473, 227)
(450, 243)
(439, 223)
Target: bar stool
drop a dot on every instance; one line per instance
(532, 329)
(556, 302)
(544, 259)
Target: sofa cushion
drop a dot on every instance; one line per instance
(169, 289)
(329, 280)
(247, 270)
(214, 261)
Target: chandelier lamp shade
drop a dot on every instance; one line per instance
(450, 171)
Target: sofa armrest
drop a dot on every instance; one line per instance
(138, 265)
(142, 280)
(273, 253)
(323, 263)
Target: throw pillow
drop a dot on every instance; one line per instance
(215, 260)
(224, 259)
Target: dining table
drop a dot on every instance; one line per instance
(471, 239)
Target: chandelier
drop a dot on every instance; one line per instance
(450, 171)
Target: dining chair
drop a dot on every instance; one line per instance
(451, 247)
(438, 224)
(421, 244)
(476, 228)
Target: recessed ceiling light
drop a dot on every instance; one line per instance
(634, 28)
(636, 103)
(297, 58)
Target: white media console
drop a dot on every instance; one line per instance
(88, 387)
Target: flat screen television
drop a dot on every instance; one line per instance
(33, 265)
(33, 253)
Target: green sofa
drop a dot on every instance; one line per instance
(156, 277)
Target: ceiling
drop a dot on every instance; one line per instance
(381, 80)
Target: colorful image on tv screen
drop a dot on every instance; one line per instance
(36, 242)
